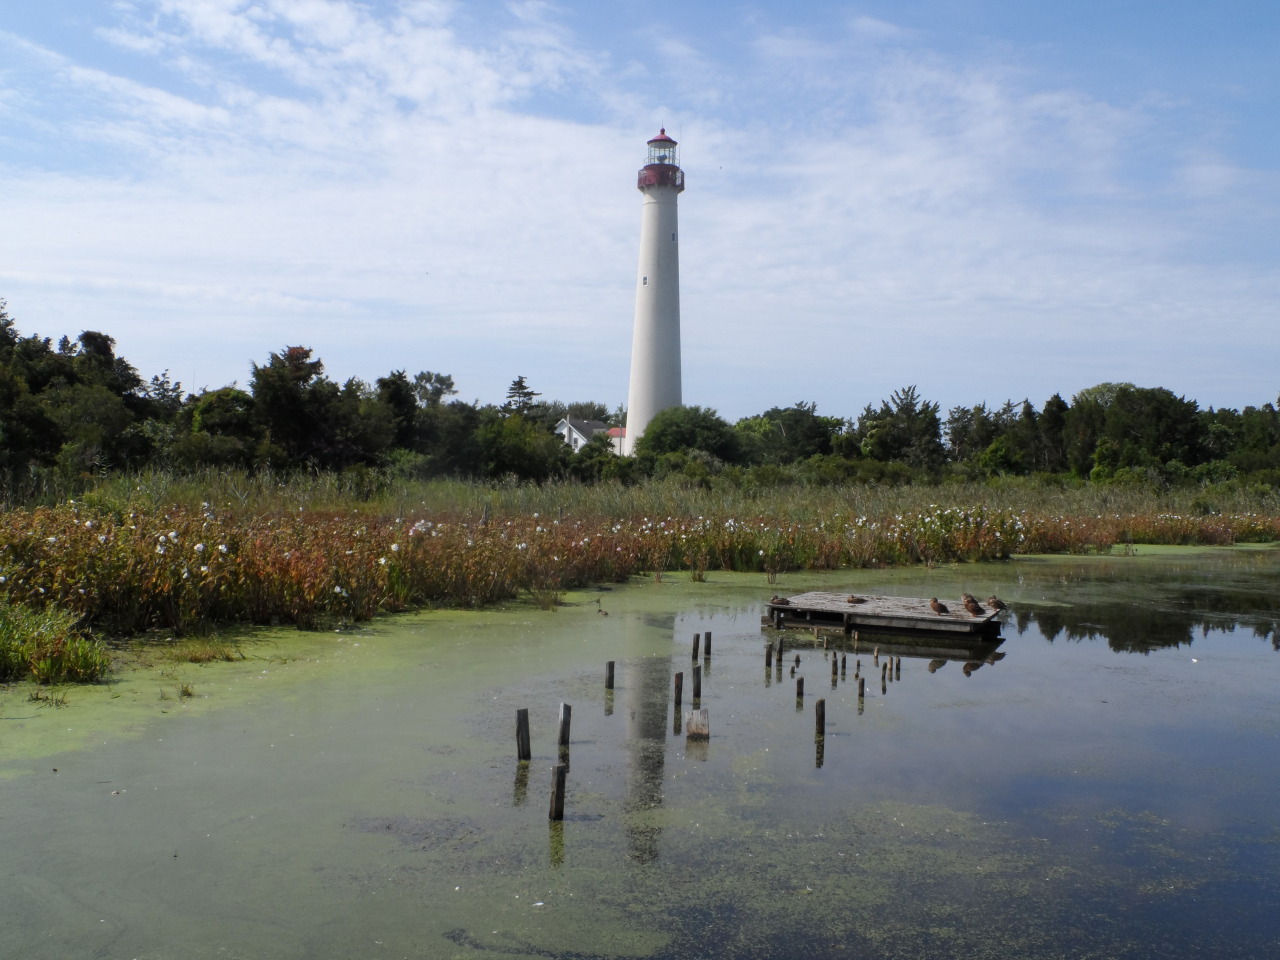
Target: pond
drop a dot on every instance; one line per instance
(1101, 785)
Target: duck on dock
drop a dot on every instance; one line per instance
(939, 608)
(995, 603)
(973, 607)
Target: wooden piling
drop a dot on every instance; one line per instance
(897, 669)
(862, 688)
(706, 644)
(697, 645)
(697, 725)
(679, 689)
(799, 688)
(697, 681)
(768, 656)
(523, 749)
(835, 667)
(820, 718)
(566, 713)
(608, 675)
(558, 776)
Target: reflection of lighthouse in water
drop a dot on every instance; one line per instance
(655, 341)
(645, 700)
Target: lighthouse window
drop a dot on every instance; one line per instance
(673, 238)
(644, 282)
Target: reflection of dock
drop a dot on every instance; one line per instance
(902, 615)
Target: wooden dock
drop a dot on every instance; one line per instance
(903, 615)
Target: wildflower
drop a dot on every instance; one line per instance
(382, 561)
(88, 524)
(199, 548)
(102, 538)
(222, 548)
(204, 569)
(160, 548)
(395, 547)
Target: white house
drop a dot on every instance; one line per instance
(578, 432)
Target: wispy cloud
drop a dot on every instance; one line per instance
(377, 182)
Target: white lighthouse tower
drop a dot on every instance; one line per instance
(655, 343)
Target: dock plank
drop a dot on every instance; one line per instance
(893, 614)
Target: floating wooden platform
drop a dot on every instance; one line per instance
(905, 615)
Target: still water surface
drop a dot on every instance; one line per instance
(1106, 788)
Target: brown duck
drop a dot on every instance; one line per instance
(973, 607)
(936, 607)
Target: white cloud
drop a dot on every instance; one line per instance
(861, 214)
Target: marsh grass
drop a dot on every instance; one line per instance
(182, 555)
(47, 646)
(55, 697)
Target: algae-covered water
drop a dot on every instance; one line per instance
(1102, 785)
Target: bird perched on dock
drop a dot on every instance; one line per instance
(852, 598)
(936, 607)
(995, 603)
(780, 601)
(973, 606)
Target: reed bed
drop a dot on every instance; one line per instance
(184, 569)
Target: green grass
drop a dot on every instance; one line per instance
(46, 646)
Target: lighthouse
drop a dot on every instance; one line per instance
(655, 341)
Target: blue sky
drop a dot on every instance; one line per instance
(988, 200)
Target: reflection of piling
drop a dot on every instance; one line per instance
(520, 793)
(555, 843)
(566, 713)
(523, 749)
(608, 675)
(558, 776)
(679, 695)
(768, 656)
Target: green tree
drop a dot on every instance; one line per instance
(685, 429)
(905, 429)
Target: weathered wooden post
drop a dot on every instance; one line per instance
(820, 719)
(697, 644)
(862, 688)
(706, 644)
(697, 682)
(877, 657)
(799, 688)
(698, 725)
(768, 656)
(897, 669)
(566, 713)
(857, 669)
(608, 675)
(558, 776)
(835, 667)
(523, 750)
(679, 689)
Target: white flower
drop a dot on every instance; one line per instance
(88, 524)
(382, 561)
(395, 547)
(159, 548)
(222, 548)
(199, 548)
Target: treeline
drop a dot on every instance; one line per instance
(75, 410)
